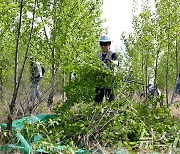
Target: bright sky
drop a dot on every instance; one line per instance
(118, 14)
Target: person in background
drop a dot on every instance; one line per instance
(110, 59)
(36, 74)
(151, 91)
(177, 87)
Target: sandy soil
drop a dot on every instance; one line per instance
(175, 111)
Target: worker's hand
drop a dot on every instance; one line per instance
(107, 61)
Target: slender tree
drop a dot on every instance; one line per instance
(1, 84)
(154, 35)
(51, 95)
(17, 82)
(12, 104)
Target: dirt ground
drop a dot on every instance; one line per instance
(175, 111)
(175, 107)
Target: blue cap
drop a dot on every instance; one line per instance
(105, 38)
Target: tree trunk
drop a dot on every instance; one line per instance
(12, 104)
(17, 82)
(142, 69)
(1, 85)
(167, 63)
(177, 67)
(51, 95)
(155, 69)
(146, 72)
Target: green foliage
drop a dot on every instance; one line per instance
(110, 124)
(71, 29)
(86, 77)
(151, 49)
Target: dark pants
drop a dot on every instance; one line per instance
(101, 92)
(177, 89)
(35, 89)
